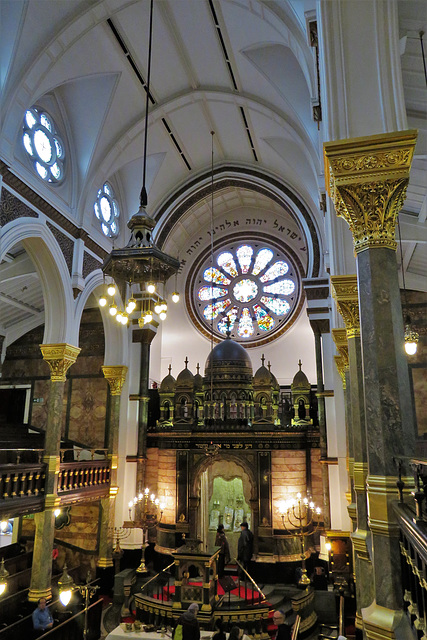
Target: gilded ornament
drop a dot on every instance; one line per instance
(59, 357)
(344, 291)
(367, 179)
(340, 339)
(116, 376)
(340, 364)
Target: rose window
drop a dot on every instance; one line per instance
(250, 290)
(43, 145)
(107, 210)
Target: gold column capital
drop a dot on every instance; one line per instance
(360, 473)
(367, 179)
(344, 292)
(116, 376)
(360, 539)
(59, 357)
(341, 361)
(341, 366)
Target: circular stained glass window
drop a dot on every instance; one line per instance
(43, 144)
(107, 210)
(250, 289)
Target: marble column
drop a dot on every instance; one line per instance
(116, 376)
(367, 179)
(59, 358)
(145, 337)
(345, 292)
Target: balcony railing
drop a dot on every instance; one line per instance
(23, 477)
(412, 519)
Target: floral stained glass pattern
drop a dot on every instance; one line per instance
(245, 328)
(262, 259)
(223, 325)
(214, 275)
(247, 292)
(284, 287)
(226, 262)
(275, 271)
(209, 293)
(212, 310)
(279, 306)
(244, 256)
(43, 144)
(107, 210)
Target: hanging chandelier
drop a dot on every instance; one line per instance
(139, 271)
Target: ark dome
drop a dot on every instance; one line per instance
(229, 352)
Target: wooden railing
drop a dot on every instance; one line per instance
(72, 629)
(23, 477)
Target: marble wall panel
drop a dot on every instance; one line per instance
(288, 477)
(87, 412)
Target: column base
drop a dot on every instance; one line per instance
(103, 563)
(380, 623)
(34, 595)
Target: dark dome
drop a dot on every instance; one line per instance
(300, 380)
(168, 384)
(263, 376)
(198, 381)
(185, 378)
(229, 352)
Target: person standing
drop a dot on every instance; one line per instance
(42, 619)
(224, 553)
(245, 545)
(188, 625)
(284, 631)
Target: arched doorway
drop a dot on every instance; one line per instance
(227, 489)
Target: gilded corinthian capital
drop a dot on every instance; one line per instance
(59, 357)
(367, 179)
(344, 291)
(116, 376)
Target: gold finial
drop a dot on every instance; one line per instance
(186, 362)
(170, 369)
(299, 364)
(262, 359)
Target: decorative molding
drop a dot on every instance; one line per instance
(9, 179)
(12, 208)
(345, 294)
(90, 263)
(341, 343)
(65, 244)
(59, 357)
(382, 492)
(116, 376)
(341, 365)
(367, 179)
(360, 473)
(359, 539)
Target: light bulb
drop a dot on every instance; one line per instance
(162, 315)
(135, 500)
(57, 512)
(65, 597)
(162, 506)
(130, 505)
(318, 510)
(124, 319)
(175, 297)
(111, 289)
(131, 305)
(113, 310)
(147, 491)
(311, 505)
(3, 525)
(151, 287)
(148, 317)
(299, 496)
(164, 305)
(2, 588)
(119, 316)
(102, 301)
(328, 546)
(157, 307)
(152, 497)
(156, 502)
(411, 339)
(140, 496)
(411, 348)
(305, 500)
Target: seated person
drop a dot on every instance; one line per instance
(42, 619)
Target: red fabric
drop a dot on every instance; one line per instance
(167, 593)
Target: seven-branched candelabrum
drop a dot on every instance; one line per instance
(147, 511)
(300, 517)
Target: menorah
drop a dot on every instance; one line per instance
(146, 516)
(301, 516)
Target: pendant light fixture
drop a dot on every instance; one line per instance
(140, 263)
(411, 336)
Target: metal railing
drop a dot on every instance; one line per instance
(159, 585)
(252, 599)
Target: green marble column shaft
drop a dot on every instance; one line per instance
(326, 511)
(390, 427)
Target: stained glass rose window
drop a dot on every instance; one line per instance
(43, 144)
(107, 210)
(250, 290)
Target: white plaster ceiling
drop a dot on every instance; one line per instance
(63, 54)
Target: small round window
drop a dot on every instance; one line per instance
(43, 144)
(107, 211)
(250, 290)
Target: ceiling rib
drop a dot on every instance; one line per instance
(138, 74)
(23, 306)
(223, 47)
(248, 132)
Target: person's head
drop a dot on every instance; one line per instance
(235, 633)
(278, 617)
(193, 608)
(42, 603)
(220, 528)
(244, 526)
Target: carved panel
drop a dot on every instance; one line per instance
(90, 264)
(12, 208)
(65, 244)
